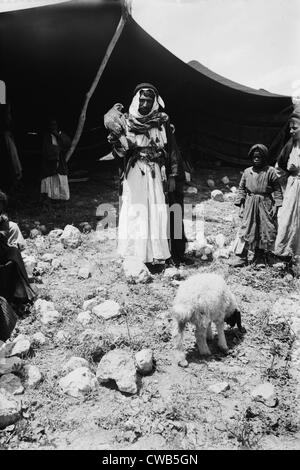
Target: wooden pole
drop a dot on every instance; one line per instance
(110, 48)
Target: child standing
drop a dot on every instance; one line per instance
(259, 196)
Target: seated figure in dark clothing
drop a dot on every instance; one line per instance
(14, 283)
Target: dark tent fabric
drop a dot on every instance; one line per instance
(50, 55)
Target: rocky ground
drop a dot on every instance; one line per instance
(110, 397)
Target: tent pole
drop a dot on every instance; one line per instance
(126, 10)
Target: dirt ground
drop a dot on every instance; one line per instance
(174, 408)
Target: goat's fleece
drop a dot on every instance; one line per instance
(204, 294)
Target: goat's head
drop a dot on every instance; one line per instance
(235, 319)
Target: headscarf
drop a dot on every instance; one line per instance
(140, 124)
(263, 150)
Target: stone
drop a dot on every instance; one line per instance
(41, 268)
(75, 363)
(55, 234)
(144, 361)
(62, 336)
(135, 270)
(210, 183)
(10, 409)
(265, 393)
(233, 189)
(50, 317)
(30, 263)
(34, 233)
(10, 365)
(191, 190)
(11, 384)
(84, 318)
(39, 338)
(229, 197)
(217, 195)
(56, 263)
(84, 271)
(43, 229)
(173, 273)
(220, 240)
(219, 387)
(118, 365)
(225, 180)
(40, 306)
(90, 303)
(71, 237)
(20, 347)
(33, 375)
(48, 257)
(108, 309)
(221, 253)
(79, 382)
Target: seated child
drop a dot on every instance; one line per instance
(259, 196)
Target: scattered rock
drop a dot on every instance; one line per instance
(50, 317)
(233, 189)
(144, 361)
(48, 257)
(40, 306)
(43, 229)
(11, 384)
(56, 263)
(265, 393)
(219, 387)
(229, 197)
(210, 183)
(41, 268)
(30, 263)
(71, 237)
(220, 240)
(33, 375)
(55, 234)
(62, 336)
(10, 365)
(222, 253)
(41, 243)
(217, 195)
(75, 363)
(175, 273)
(225, 180)
(84, 271)
(10, 409)
(191, 190)
(135, 270)
(20, 347)
(84, 318)
(119, 366)
(108, 309)
(34, 233)
(283, 309)
(87, 228)
(89, 304)
(79, 382)
(39, 338)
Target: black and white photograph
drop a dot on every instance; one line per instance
(149, 228)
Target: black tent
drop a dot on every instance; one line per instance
(50, 55)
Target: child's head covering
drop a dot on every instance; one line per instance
(262, 149)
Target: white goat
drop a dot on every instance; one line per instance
(202, 299)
